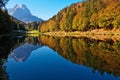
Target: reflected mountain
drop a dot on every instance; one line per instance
(102, 55)
(20, 48)
(23, 50)
(21, 53)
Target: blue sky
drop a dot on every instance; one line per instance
(44, 9)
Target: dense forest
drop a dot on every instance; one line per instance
(31, 26)
(7, 22)
(84, 16)
(4, 18)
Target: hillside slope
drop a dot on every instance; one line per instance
(5, 22)
(84, 16)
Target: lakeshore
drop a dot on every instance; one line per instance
(100, 34)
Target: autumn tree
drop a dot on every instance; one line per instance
(86, 15)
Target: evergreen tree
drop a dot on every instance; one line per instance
(3, 3)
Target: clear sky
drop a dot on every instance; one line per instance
(44, 9)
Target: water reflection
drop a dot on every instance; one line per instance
(6, 44)
(22, 52)
(102, 55)
(99, 59)
(19, 47)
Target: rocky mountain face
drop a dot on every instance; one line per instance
(22, 13)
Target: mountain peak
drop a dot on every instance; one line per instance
(22, 6)
(22, 13)
(19, 9)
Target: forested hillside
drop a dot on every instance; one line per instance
(7, 22)
(84, 16)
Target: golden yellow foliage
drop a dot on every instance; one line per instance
(84, 16)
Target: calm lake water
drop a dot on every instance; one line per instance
(55, 58)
